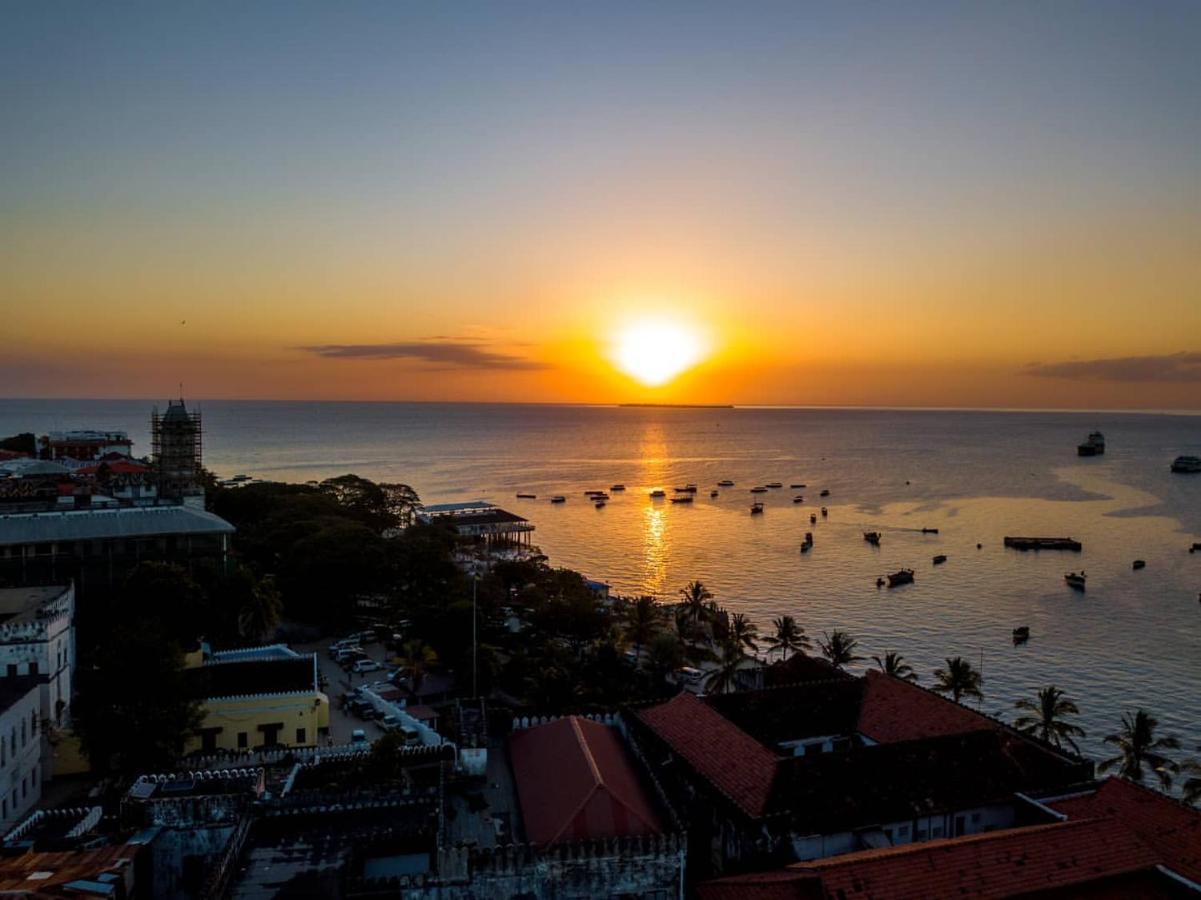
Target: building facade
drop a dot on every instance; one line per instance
(20, 747)
(37, 638)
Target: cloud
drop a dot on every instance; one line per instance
(445, 354)
(1171, 367)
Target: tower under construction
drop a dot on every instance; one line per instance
(175, 438)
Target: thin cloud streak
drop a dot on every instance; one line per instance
(443, 354)
(1182, 367)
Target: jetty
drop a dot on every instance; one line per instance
(1043, 543)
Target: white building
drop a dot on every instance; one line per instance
(20, 748)
(37, 638)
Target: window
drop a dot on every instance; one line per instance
(4, 809)
(33, 777)
(242, 742)
(300, 736)
(33, 723)
(33, 668)
(24, 786)
(22, 732)
(14, 799)
(12, 670)
(936, 831)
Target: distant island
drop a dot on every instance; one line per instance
(681, 405)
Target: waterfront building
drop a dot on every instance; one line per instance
(20, 747)
(481, 521)
(83, 444)
(101, 545)
(255, 697)
(176, 446)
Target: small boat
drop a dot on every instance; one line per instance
(558, 498)
(758, 489)
(617, 487)
(1194, 548)
(979, 546)
(599, 504)
(813, 518)
(590, 493)
(725, 482)
(929, 531)
(825, 493)
(798, 499)
(658, 494)
(686, 498)
(596, 495)
(904, 576)
(940, 559)
(1075, 580)
(714, 493)
(824, 512)
(1044, 543)
(879, 582)
(796, 487)
(756, 509)
(872, 537)
(686, 489)
(1139, 564)
(1021, 634)
(775, 484)
(1186, 465)
(1094, 445)
(527, 496)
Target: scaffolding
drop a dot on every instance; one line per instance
(175, 445)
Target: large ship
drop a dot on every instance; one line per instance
(1094, 445)
(1187, 465)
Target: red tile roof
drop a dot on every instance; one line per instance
(1168, 827)
(575, 782)
(730, 759)
(993, 865)
(893, 710)
(117, 467)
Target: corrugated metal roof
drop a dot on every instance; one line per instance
(100, 524)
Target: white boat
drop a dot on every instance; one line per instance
(756, 509)
(1075, 580)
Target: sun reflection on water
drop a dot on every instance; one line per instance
(656, 540)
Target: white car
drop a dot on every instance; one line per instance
(366, 665)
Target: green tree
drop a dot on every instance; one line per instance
(418, 658)
(260, 613)
(789, 637)
(1140, 751)
(744, 632)
(894, 664)
(959, 679)
(400, 503)
(134, 707)
(1046, 718)
(723, 679)
(839, 648)
(643, 622)
(696, 600)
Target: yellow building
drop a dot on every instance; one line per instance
(257, 697)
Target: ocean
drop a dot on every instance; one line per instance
(1132, 639)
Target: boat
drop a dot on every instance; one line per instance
(599, 504)
(807, 542)
(1094, 445)
(1186, 465)
(596, 495)
(824, 512)
(527, 496)
(1139, 564)
(1043, 543)
(796, 487)
(617, 487)
(658, 494)
(798, 499)
(879, 582)
(929, 531)
(714, 493)
(758, 489)
(825, 493)
(1021, 634)
(1194, 548)
(904, 576)
(686, 498)
(756, 509)
(872, 537)
(1075, 580)
(725, 482)
(558, 498)
(940, 559)
(686, 489)
(813, 518)
(775, 484)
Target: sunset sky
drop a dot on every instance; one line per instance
(960, 204)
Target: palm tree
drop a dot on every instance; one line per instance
(744, 632)
(642, 623)
(839, 647)
(418, 657)
(789, 637)
(894, 664)
(959, 679)
(1140, 750)
(696, 600)
(258, 618)
(1192, 785)
(1046, 718)
(722, 679)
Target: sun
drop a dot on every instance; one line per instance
(654, 351)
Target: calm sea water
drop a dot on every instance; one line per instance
(1134, 639)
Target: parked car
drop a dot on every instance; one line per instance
(359, 737)
(411, 736)
(390, 722)
(344, 653)
(362, 666)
